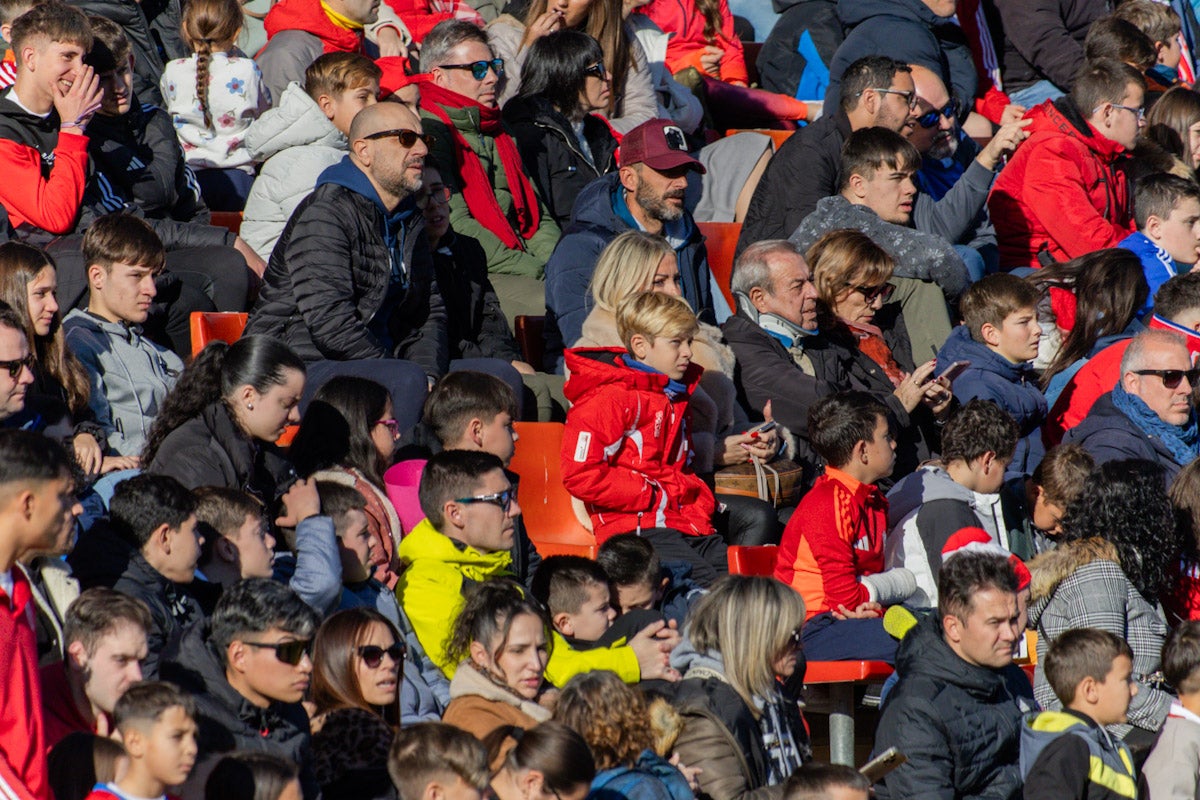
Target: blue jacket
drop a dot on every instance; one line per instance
(1109, 435)
(1157, 265)
(600, 214)
(1013, 387)
(652, 778)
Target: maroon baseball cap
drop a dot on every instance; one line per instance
(659, 144)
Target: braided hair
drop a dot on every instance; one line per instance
(210, 26)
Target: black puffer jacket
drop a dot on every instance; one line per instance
(795, 58)
(210, 450)
(1043, 39)
(227, 721)
(327, 283)
(171, 608)
(551, 153)
(475, 322)
(959, 724)
(153, 30)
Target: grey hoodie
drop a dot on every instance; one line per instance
(298, 142)
(129, 376)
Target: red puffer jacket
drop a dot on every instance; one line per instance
(625, 448)
(1061, 191)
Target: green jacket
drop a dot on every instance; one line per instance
(434, 572)
(532, 260)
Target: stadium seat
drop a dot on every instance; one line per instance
(210, 326)
(759, 560)
(545, 505)
(529, 332)
(228, 219)
(841, 677)
(777, 137)
(720, 238)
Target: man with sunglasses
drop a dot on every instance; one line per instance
(493, 200)
(1149, 414)
(250, 667)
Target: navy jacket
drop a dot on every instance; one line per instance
(1013, 387)
(1109, 435)
(595, 222)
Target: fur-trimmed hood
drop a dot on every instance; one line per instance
(1051, 568)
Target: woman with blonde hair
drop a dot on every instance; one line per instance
(739, 724)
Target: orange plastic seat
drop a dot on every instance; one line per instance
(840, 678)
(759, 560)
(228, 219)
(720, 239)
(289, 433)
(846, 671)
(529, 331)
(545, 503)
(210, 326)
(778, 137)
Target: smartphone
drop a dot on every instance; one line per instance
(954, 370)
(882, 764)
(754, 432)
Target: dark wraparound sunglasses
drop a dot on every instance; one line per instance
(14, 367)
(407, 138)
(372, 654)
(292, 652)
(596, 70)
(870, 293)
(1171, 378)
(930, 118)
(479, 69)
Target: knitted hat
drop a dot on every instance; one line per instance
(977, 540)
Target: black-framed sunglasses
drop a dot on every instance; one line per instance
(440, 195)
(871, 293)
(930, 118)
(290, 652)
(407, 138)
(479, 69)
(597, 70)
(372, 654)
(502, 499)
(1171, 378)
(909, 97)
(14, 367)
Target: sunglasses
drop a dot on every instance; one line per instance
(1171, 378)
(407, 138)
(930, 118)
(292, 652)
(372, 654)
(871, 293)
(392, 425)
(502, 499)
(596, 70)
(14, 367)
(479, 69)
(440, 196)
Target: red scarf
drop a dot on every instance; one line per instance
(476, 187)
(308, 16)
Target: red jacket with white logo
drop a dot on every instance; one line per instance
(625, 450)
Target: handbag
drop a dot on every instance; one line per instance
(778, 482)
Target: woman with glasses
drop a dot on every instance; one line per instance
(564, 143)
(549, 762)
(852, 276)
(739, 723)
(500, 643)
(348, 436)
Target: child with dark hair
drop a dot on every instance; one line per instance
(1166, 209)
(438, 757)
(641, 581)
(82, 760)
(1034, 506)
(832, 549)
(579, 596)
(252, 776)
(1173, 767)
(356, 548)
(817, 781)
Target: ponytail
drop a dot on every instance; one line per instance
(208, 25)
(559, 753)
(197, 388)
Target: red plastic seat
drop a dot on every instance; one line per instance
(720, 239)
(545, 504)
(211, 326)
(232, 220)
(529, 331)
(746, 560)
(846, 671)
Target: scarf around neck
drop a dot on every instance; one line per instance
(1181, 440)
(476, 186)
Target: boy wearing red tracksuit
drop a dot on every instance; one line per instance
(832, 549)
(626, 449)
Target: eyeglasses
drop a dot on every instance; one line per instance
(14, 367)
(290, 652)
(597, 70)
(502, 499)
(1140, 113)
(871, 293)
(441, 196)
(372, 654)
(392, 425)
(1171, 378)
(909, 97)
(479, 69)
(930, 118)
(407, 138)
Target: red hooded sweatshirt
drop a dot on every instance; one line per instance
(1061, 191)
(308, 16)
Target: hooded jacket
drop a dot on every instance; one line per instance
(687, 26)
(331, 272)
(171, 608)
(1065, 754)
(299, 32)
(297, 142)
(651, 778)
(129, 376)
(795, 58)
(626, 450)
(1110, 435)
(1080, 584)
(45, 171)
(552, 155)
(908, 31)
(925, 509)
(600, 215)
(227, 721)
(1013, 387)
(1061, 191)
(959, 724)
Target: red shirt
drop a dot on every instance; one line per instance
(22, 734)
(59, 713)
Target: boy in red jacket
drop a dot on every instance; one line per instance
(832, 548)
(626, 449)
